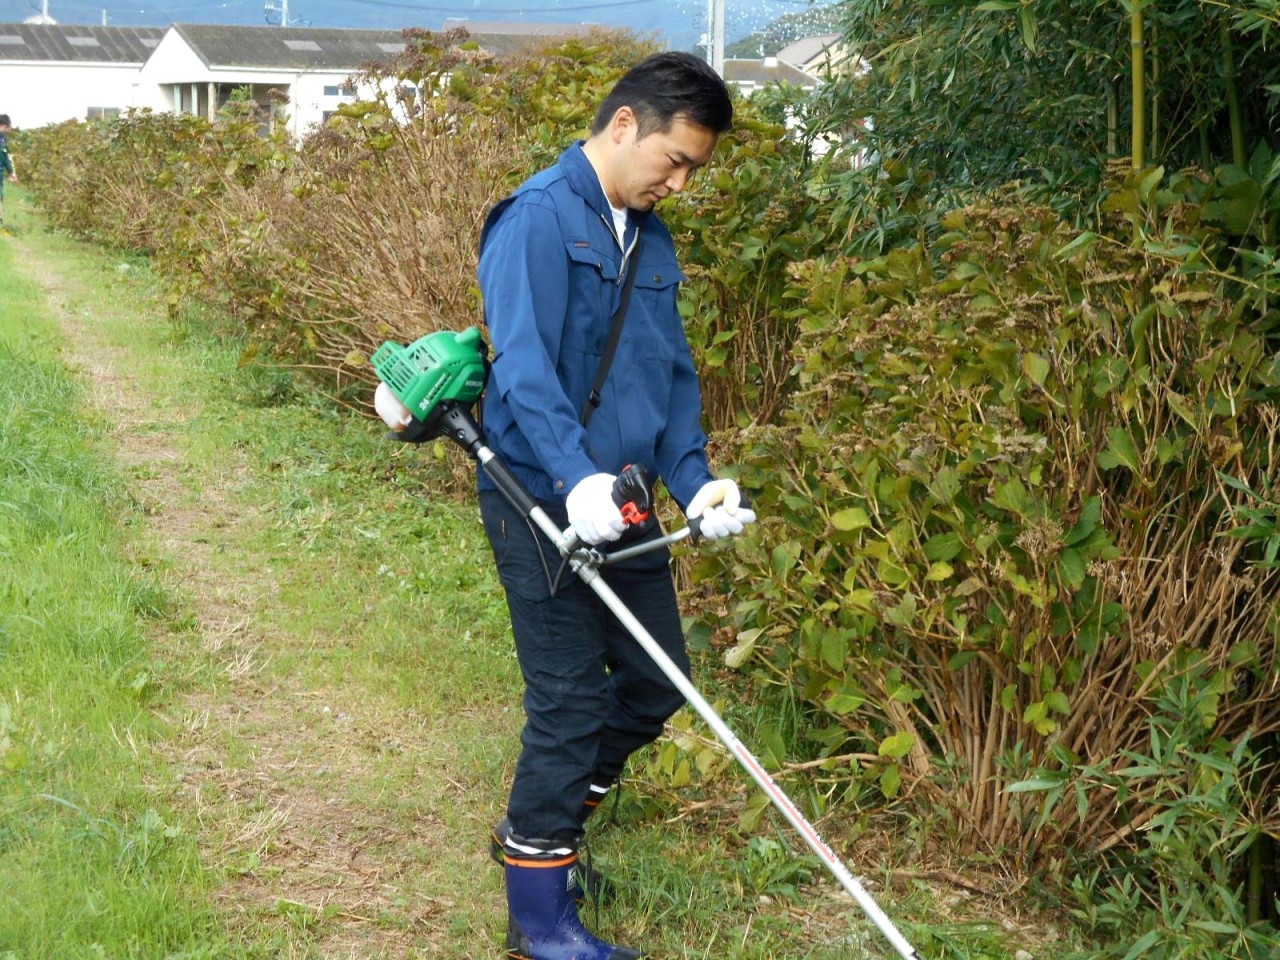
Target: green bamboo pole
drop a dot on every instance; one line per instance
(1260, 889)
(1271, 880)
(1154, 121)
(1113, 120)
(1138, 55)
(1253, 898)
(1239, 155)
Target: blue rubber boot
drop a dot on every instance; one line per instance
(543, 915)
(588, 881)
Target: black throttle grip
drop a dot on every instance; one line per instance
(633, 494)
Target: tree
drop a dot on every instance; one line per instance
(980, 93)
(787, 29)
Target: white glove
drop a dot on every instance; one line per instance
(592, 513)
(718, 503)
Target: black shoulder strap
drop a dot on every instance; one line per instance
(615, 334)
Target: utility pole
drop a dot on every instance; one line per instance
(269, 8)
(715, 35)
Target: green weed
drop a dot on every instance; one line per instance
(90, 862)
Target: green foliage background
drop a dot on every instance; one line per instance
(1005, 401)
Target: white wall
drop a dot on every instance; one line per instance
(36, 94)
(173, 61)
(309, 102)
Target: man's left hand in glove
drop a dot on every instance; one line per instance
(718, 504)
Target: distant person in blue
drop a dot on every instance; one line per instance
(554, 263)
(6, 163)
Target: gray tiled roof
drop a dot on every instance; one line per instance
(755, 71)
(77, 43)
(515, 28)
(802, 51)
(313, 48)
(512, 39)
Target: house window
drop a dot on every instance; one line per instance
(9, 40)
(330, 91)
(339, 91)
(83, 41)
(101, 113)
(309, 46)
(348, 91)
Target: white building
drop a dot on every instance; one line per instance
(805, 64)
(818, 56)
(50, 72)
(752, 75)
(196, 67)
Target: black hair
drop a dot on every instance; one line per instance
(667, 85)
(4, 120)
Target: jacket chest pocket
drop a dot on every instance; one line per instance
(593, 296)
(654, 329)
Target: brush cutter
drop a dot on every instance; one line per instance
(430, 387)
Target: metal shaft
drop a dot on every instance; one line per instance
(591, 576)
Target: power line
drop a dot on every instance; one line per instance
(487, 10)
(114, 8)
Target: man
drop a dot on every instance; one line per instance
(554, 264)
(6, 164)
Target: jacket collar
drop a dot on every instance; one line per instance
(584, 180)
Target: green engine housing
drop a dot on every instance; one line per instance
(442, 366)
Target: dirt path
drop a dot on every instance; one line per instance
(318, 871)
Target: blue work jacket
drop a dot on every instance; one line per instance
(551, 272)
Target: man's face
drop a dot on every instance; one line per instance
(652, 167)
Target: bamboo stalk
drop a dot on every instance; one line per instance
(1113, 119)
(1234, 113)
(1155, 93)
(1137, 45)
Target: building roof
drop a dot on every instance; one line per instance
(479, 28)
(764, 72)
(301, 48)
(803, 51)
(77, 43)
(511, 38)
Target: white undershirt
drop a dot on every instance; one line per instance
(619, 216)
(620, 224)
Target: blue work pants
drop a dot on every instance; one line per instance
(592, 694)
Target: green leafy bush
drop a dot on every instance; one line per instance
(131, 183)
(996, 533)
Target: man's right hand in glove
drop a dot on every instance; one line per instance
(593, 515)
